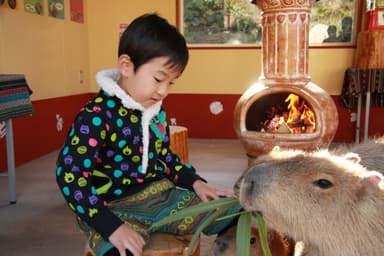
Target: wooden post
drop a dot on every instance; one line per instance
(179, 141)
(369, 50)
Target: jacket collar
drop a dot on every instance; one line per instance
(107, 80)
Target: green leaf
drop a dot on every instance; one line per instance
(263, 234)
(195, 210)
(211, 218)
(243, 234)
(213, 209)
(230, 215)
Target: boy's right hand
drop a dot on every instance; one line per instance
(125, 238)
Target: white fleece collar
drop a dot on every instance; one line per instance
(107, 80)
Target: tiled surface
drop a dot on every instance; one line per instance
(40, 224)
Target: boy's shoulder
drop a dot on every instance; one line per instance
(98, 104)
(102, 98)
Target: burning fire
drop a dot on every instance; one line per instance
(299, 118)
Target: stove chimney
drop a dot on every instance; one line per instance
(285, 43)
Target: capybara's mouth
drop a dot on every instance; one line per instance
(255, 213)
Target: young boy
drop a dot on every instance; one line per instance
(115, 169)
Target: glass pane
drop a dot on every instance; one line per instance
(237, 22)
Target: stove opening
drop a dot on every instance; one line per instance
(281, 113)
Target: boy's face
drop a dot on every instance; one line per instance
(150, 83)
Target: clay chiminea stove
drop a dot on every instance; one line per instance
(283, 108)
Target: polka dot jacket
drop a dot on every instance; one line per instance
(115, 148)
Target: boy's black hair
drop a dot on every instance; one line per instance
(150, 36)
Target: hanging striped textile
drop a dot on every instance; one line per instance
(14, 97)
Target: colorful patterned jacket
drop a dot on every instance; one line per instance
(115, 148)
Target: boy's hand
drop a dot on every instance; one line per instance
(125, 238)
(207, 192)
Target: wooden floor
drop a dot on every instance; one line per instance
(41, 224)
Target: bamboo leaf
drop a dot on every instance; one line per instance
(195, 210)
(198, 231)
(243, 234)
(211, 218)
(263, 234)
(230, 215)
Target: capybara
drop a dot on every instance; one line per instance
(334, 205)
(225, 244)
(371, 153)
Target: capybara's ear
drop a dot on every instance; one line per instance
(353, 157)
(371, 181)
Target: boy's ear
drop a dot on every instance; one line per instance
(125, 65)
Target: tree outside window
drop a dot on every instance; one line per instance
(237, 22)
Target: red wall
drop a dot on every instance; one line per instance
(192, 111)
(37, 135)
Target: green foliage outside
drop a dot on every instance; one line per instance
(221, 22)
(238, 21)
(331, 12)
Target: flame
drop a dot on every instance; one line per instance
(295, 117)
(301, 118)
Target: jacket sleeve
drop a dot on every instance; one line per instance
(74, 173)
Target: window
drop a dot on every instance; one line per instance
(236, 23)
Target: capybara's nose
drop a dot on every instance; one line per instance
(256, 179)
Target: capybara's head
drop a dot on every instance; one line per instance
(304, 194)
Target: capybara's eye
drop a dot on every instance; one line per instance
(252, 240)
(323, 183)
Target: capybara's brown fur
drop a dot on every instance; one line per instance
(225, 244)
(333, 205)
(371, 153)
